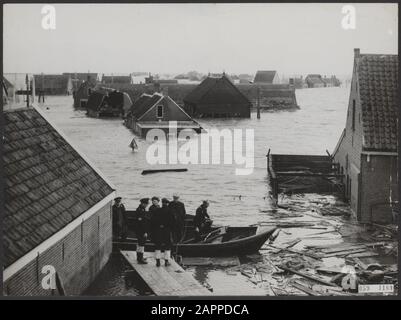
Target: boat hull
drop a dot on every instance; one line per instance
(242, 246)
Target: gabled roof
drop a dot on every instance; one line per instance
(48, 184)
(144, 103)
(153, 104)
(196, 95)
(378, 90)
(91, 83)
(265, 76)
(95, 99)
(314, 78)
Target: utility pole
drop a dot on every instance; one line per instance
(27, 90)
(258, 103)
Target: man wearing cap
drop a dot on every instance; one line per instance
(178, 210)
(162, 223)
(141, 229)
(119, 219)
(202, 220)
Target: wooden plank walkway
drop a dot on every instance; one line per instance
(166, 281)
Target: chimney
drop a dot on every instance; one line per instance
(357, 52)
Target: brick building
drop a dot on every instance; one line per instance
(82, 93)
(367, 152)
(57, 210)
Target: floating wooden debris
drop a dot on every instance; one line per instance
(308, 276)
(211, 261)
(163, 170)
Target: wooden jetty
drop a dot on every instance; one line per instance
(303, 174)
(166, 281)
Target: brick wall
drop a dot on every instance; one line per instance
(379, 187)
(77, 258)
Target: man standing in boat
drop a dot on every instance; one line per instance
(202, 220)
(162, 223)
(141, 229)
(178, 210)
(119, 219)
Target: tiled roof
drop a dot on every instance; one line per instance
(226, 92)
(47, 183)
(378, 89)
(144, 103)
(265, 76)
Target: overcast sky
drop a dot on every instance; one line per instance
(237, 38)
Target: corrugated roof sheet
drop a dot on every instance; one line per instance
(47, 183)
(265, 76)
(378, 90)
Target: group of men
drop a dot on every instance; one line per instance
(164, 224)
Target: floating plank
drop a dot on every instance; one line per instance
(163, 170)
(308, 254)
(308, 276)
(211, 261)
(166, 281)
(304, 288)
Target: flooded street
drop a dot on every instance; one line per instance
(234, 200)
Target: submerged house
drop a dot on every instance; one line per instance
(266, 77)
(367, 152)
(106, 103)
(57, 213)
(331, 81)
(126, 80)
(156, 111)
(217, 97)
(314, 81)
(82, 93)
(297, 82)
(78, 77)
(53, 84)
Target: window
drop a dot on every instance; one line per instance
(160, 111)
(353, 115)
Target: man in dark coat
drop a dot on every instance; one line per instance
(202, 220)
(119, 219)
(162, 224)
(152, 209)
(178, 210)
(141, 229)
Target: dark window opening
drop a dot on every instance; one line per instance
(160, 111)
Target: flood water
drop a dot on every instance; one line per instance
(312, 129)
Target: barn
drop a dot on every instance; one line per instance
(367, 151)
(82, 93)
(57, 213)
(217, 97)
